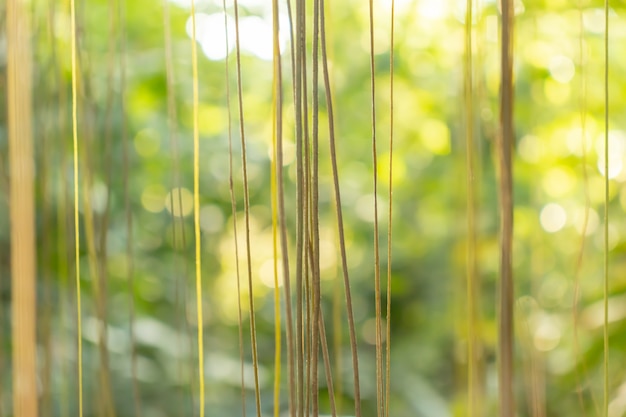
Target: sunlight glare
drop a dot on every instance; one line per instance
(256, 37)
(210, 34)
(262, 6)
(433, 10)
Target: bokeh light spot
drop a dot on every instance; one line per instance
(593, 20)
(552, 217)
(530, 149)
(555, 92)
(547, 334)
(267, 275)
(99, 195)
(212, 119)
(617, 149)
(147, 142)
(368, 331)
(558, 182)
(179, 202)
(575, 142)
(561, 68)
(152, 198)
(592, 220)
(211, 218)
(436, 136)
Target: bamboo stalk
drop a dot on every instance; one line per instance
(474, 399)
(22, 209)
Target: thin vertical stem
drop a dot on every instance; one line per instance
(62, 232)
(471, 272)
(315, 255)
(379, 358)
(390, 215)
(327, 367)
(76, 212)
(130, 255)
(180, 267)
(282, 223)
(339, 214)
(45, 313)
(276, 132)
(300, 201)
(246, 198)
(196, 206)
(280, 201)
(505, 149)
(233, 204)
(606, 208)
(581, 371)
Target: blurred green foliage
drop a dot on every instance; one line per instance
(558, 186)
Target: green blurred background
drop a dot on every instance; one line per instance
(558, 188)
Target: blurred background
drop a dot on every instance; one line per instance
(130, 148)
